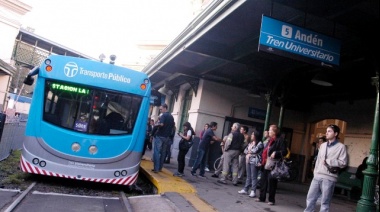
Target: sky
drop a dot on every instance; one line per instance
(93, 27)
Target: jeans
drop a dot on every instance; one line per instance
(252, 173)
(320, 187)
(168, 154)
(160, 146)
(200, 162)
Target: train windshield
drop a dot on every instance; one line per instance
(90, 110)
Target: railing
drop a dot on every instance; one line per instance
(12, 137)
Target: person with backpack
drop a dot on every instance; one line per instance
(184, 145)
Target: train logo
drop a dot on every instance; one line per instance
(71, 69)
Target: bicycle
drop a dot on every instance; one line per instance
(216, 162)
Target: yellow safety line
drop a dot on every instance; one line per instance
(166, 182)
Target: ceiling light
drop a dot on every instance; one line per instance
(322, 79)
(254, 93)
(165, 90)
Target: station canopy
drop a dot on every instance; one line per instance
(222, 45)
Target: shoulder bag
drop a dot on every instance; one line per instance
(269, 165)
(185, 145)
(331, 169)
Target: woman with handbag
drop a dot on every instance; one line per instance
(253, 163)
(273, 152)
(184, 145)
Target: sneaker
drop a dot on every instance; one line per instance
(178, 174)
(194, 174)
(215, 176)
(207, 170)
(242, 191)
(270, 203)
(252, 194)
(202, 176)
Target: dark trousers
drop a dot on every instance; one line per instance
(149, 144)
(181, 160)
(267, 184)
(146, 142)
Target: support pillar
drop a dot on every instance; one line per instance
(268, 97)
(281, 117)
(366, 202)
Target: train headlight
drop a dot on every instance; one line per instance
(144, 85)
(93, 150)
(75, 147)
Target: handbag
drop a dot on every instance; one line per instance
(185, 145)
(280, 170)
(253, 160)
(269, 165)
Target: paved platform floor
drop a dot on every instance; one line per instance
(220, 197)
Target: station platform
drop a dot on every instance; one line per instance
(176, 194)
(191, 193)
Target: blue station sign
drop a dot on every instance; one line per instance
(294, 42)
(257, 113)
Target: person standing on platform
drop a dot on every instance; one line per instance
(187, 136)
(275, 149)
(207, 153)
(242, 164)
(332, 153)
(253, 162)
(265, 138)
(208, 138)
(147, 136)
(231, 154)
(165, 126)
(151, 123)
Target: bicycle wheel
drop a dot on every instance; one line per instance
(216, 163)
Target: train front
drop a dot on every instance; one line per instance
(87, 121)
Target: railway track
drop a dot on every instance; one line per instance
(44, 193)
(33, 200)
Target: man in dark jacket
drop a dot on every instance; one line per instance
(162, 137)
(208, 138)
(232, 151)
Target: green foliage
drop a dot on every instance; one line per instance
(11, 173)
